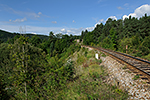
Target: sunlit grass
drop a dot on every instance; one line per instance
(89, 83)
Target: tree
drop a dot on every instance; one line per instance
(113, 38)
(60, 45)
(59, 36)
(35, 40)
(29, 65)
(51, 36)
(51, 48)
(88, 38)
(21, 59)
(1, 41)
(3, 92)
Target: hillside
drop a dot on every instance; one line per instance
(131, 33)
(4, 35)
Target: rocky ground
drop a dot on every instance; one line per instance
(119, 75)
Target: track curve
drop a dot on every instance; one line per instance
(136, 64)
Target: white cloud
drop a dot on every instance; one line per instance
(139, 12)
(90, 28)
(63, 30)
(43, 30)
(99, 22)
(126, 4)
(74, 31)
(54, 22)
(19, 20)
(103, 21)
(73, 21)
(33, 33)
(30, 14)
(39, 13)
(113, 18)
(119, 8)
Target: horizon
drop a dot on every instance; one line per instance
(66, 17)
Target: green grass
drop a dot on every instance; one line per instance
(90, 86)
(147, 57)
(88, 83)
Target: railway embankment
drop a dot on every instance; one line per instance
(125, 79)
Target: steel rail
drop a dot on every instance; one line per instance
(108, 51)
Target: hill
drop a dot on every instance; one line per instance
(4, 35)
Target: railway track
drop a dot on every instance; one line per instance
(139, 66)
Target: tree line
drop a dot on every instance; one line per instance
(116, 34)
(38, 68)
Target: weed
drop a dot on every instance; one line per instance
(94, 75)
(129, 71)
(85, 65)
(119, 91)
(89, 85)
(143, 82)
(103, 55)
(133, 85)
(100, 61)
(89, 55)
(86, 52)
(136, 77)
(125, 67)
(81, 59)
(83, 49)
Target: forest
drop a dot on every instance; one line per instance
(24, 63)
(53, 68)
(56, 67)
(116, 35)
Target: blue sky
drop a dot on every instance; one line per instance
(65, 16)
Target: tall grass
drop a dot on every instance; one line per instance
(89, 83)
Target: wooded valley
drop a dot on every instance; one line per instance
(56, 67)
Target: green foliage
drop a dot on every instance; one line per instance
(106, 43)
(88, 38)
(35, 40)
(28, 73)
(20, 66)
(99, 61)
(4, 52)
(103, 55)
(88, 85)
(90, 54)
(123, 43)
(113, 37)
(11, 37)
(81, 60)
(136, 77)
(147, 57)
(116, 35)
(88, 82)
(3, 91)
(1, 41)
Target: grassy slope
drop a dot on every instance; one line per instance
(88, 80)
